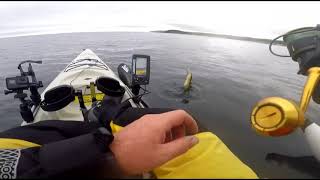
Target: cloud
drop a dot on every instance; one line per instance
(256, 19)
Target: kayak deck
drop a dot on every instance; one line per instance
(85, 68)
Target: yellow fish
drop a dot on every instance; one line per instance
(187, 82)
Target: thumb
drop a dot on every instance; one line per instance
(177, 147)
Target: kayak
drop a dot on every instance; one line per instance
(79, 73)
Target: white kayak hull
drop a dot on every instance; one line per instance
(85, 68)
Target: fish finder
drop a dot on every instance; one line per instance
(137, 75)
(140, 69)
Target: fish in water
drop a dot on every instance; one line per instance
(187, 81)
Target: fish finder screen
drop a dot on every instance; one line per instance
(12, 81)
(141, 66)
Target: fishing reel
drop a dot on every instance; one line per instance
(276, 116)
(26, 80)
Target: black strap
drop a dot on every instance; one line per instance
(45, 132)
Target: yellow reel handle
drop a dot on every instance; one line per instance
(312, 81)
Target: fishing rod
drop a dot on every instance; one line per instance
(277, 116)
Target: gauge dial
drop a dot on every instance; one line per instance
(268, 116)
(276, 116)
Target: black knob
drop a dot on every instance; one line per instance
(7, 91)
(40, 84)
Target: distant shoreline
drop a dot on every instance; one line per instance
(242, 38)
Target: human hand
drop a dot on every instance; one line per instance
(153, 140)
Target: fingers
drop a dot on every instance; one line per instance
(169, 137)
(175, 133)
(177, 118)
(178, 132)
(177, 147)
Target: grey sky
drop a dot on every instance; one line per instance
(254, 19)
